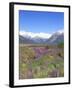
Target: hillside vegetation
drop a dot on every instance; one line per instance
(41, 61)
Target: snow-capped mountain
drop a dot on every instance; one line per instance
(35, 35)
(56, 38)
(41, 38)
(25, 40)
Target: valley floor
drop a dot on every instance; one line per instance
(41, 61)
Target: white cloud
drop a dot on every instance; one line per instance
(32, 35)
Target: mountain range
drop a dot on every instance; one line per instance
(54, 39)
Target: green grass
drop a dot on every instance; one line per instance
(61, 45)
(45, 67)
(26, 54)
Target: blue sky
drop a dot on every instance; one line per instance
(39, 21)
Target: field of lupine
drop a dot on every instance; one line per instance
(41, 61)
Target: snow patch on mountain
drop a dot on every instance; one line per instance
(35, 35)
